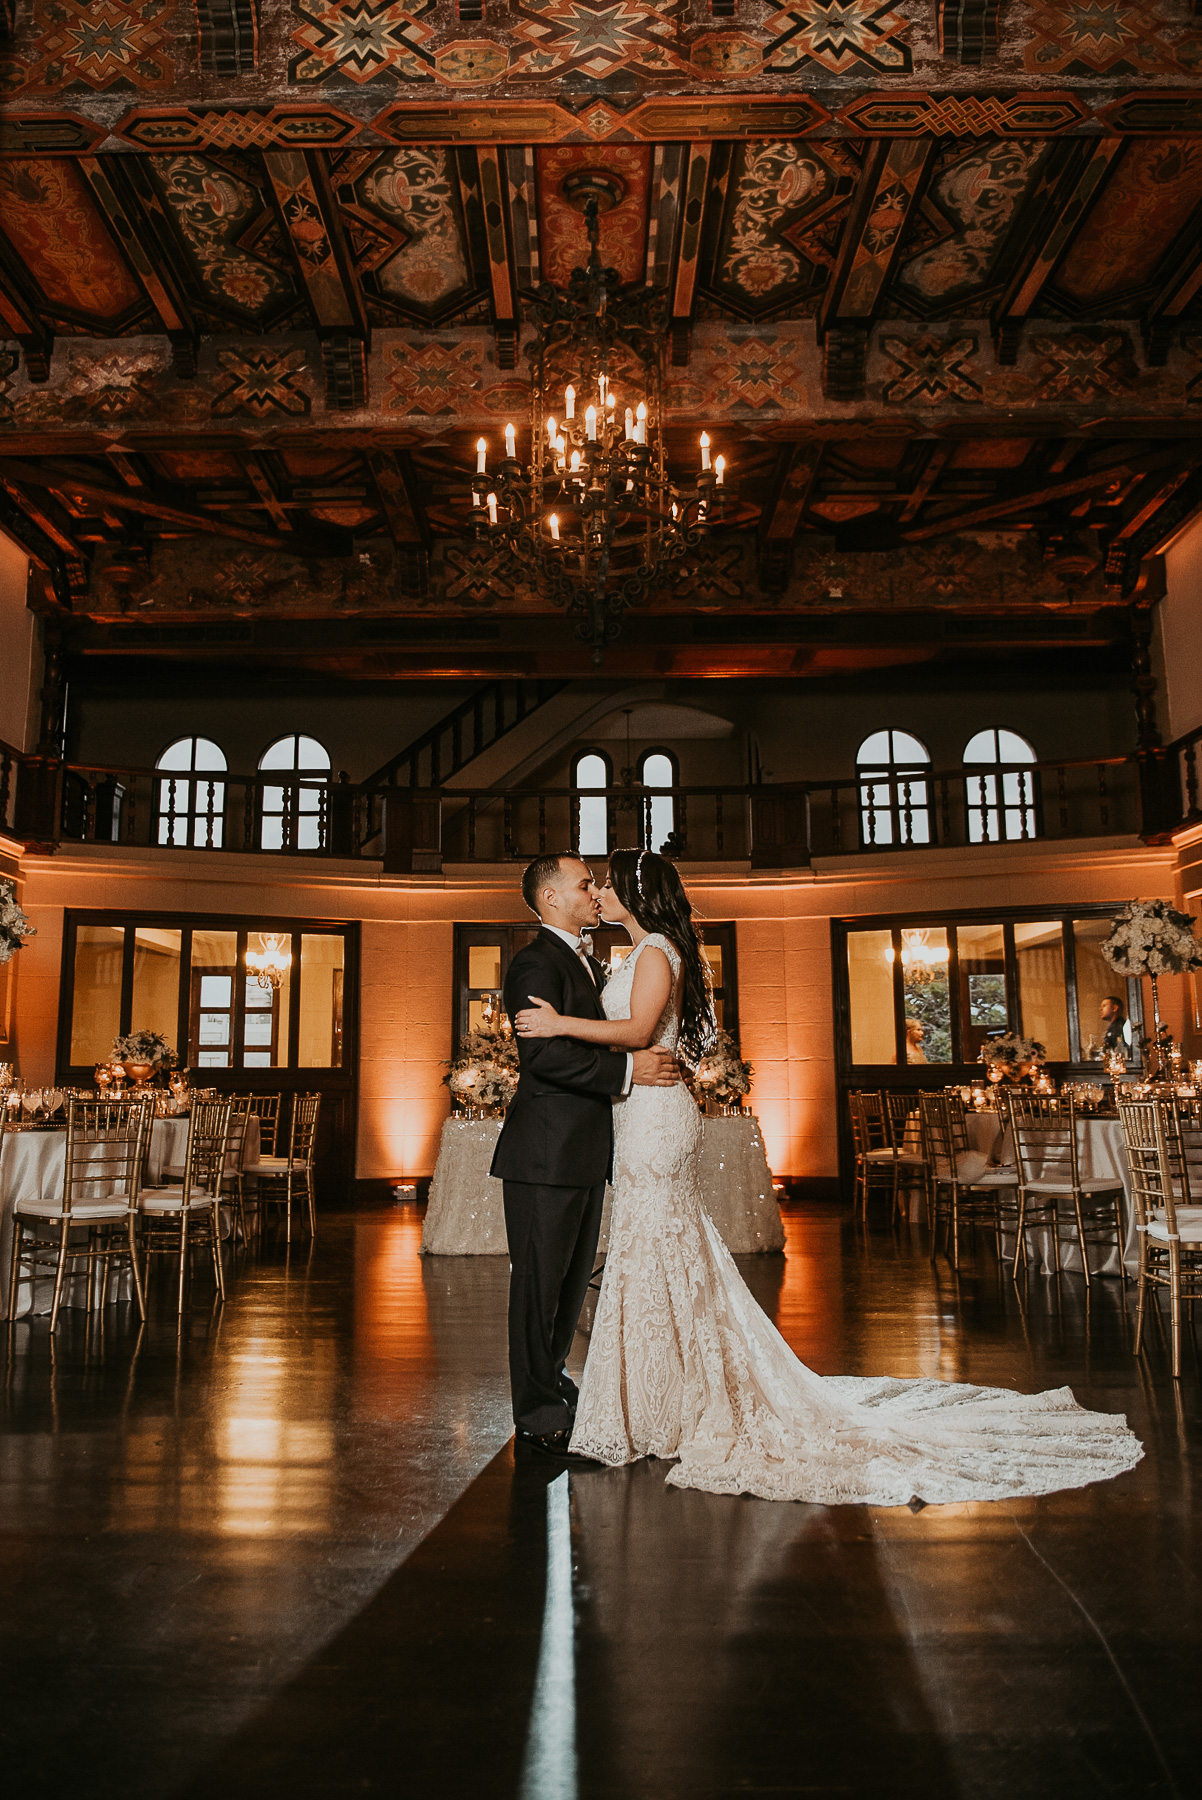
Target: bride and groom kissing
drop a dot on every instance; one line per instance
(682, 1363)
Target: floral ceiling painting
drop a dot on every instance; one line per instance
(973, 196)
(785, 206)
(220, 214)
(48, 214)
(415, 191)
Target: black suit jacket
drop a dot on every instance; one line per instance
(558, 1131)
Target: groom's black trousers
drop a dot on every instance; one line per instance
(553, 1234)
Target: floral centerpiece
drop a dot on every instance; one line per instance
(144, 1055)
(1152, 938)
(484, 1075)
(1011, 1057)
(722, 1076)
(14, 926)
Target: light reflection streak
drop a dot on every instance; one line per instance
(549, 1768)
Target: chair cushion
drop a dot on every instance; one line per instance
(972, 1168)
(996, 1178)
(115, 1208)
(1101, 1185)
(279, 1165)
(1189, 1231)
(163, 1200)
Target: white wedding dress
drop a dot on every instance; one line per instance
(682, 1363)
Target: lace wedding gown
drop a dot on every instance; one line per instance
(682, 1362)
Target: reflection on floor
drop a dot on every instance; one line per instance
(288, 1552)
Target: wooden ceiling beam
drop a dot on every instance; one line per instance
(688, 250)
(308, 212)
(1033, 497)
(498, 237)
(889, 185)
(20, 320)
(54, 479)
(937, 460)
(1056, 212)
(119, 207)
(1164, 311)
(795, 475)
(259, 479)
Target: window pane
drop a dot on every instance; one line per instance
(257, 997)
(594, 830)
(311, 755)
(982, 747)
(713, 956)
(211, 998)
(280, 755)
(258, 1028)
(983, 1009)
(927, 1003)
(1040, 951)
(1103, 1028)
(484, 966)
(874, 749)
(96, 1000)
(590, 772)
(1012, 748)
(907, 749)
(870, 976)
(257, 1059)
(321, 977)
(156, 982)
(657, 770)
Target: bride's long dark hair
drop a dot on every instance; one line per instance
(649, 887)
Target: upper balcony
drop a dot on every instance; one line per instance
(406, 830)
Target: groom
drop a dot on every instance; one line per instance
(555, 1152)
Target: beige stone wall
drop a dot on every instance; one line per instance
(783, 926)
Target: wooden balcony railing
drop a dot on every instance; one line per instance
(408, 829)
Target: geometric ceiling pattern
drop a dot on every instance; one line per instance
(934, 274)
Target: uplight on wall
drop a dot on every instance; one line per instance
(271, 961)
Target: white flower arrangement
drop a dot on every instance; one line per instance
(723, 1074)
(1150, 937)
(485, 1073)
(144, 1047)
(1012, 1051)
(14, 926)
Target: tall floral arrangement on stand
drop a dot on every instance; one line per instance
(723, 1075)
(484, 1075)
(1152, 938)
(14, 926)
(1011, 1057)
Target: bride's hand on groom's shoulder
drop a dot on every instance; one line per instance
(539, 1019)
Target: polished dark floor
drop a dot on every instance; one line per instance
(287, 1551)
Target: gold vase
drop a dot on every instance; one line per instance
(140, 1073)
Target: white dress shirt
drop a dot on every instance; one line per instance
(572, 940)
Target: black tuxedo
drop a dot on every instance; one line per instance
(554, 1157)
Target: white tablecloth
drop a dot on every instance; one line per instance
(465, 1216)
(1101, 1156)
(33, 1167)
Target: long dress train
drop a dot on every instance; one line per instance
(683, 1364)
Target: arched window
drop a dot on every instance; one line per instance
(591, 770)
(895, 800)
(999, 787)
(657, 769)
(296, 817)
(192, 812)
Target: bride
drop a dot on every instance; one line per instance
(683, 1363)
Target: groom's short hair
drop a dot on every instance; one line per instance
(538, 873)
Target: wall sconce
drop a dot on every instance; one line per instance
(271, 961)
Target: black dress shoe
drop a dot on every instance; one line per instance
(557, 1444)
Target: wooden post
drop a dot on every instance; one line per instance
(412, 833)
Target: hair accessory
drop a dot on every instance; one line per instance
(638, 872)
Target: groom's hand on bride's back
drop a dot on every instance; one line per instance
(655, 1067)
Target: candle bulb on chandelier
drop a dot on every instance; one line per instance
(552, 432)
(720, 469)
(640, 423)
(629, 423)
(511, 442)
(561, 450)
(481, 447)
(575, 461)
(705, 450)
(590, 424)
(492, 509)
(569, 395)
(610, 402)
(553, 522)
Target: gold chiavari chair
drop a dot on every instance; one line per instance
(1047, 1152)
(906, 1134)
(266, 1109)
(1164, 1159)
(875, 1158)
(282, 1179)
(182, 1218)
(102, 1177)
(966, 1185)
(242, 1111)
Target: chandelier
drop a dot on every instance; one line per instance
(594, 520)
(922, 961)
(271, 962)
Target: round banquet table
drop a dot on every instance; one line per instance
(1101, 1156)
(465, 1215)
(33, 1166)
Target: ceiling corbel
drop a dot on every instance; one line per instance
(889, 185)
(21, 321)
(134, 234)
(968, 31)
(493, 193)
(228, 31)
(1057, 210)
(688, 251)
(308, 212)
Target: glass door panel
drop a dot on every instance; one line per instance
(96, 1008)
(156, 981)
(1102, 994)
(321, 974)
(870, 975)
(1039, 954)
(211, 999)
(983, 994)
(927, 1003)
